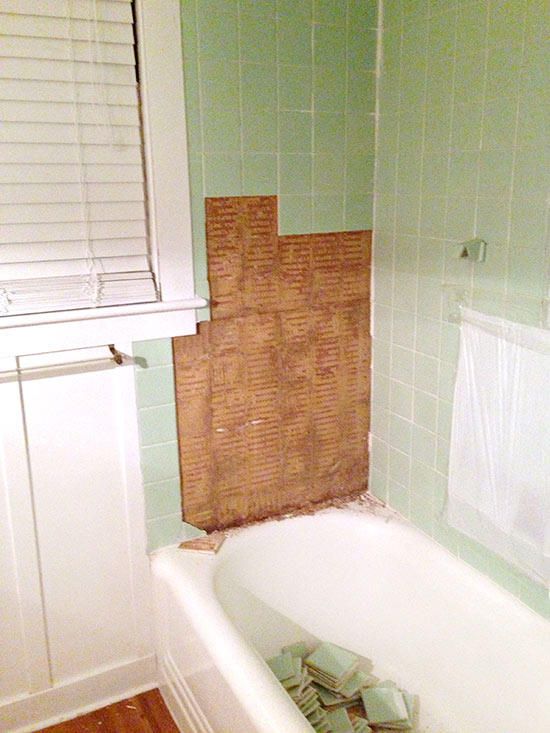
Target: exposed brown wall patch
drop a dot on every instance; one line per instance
(273, 394)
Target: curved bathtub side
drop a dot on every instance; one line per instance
(212, 681)
(478, 658)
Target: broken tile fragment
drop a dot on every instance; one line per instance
(282, 666)
(385, 705)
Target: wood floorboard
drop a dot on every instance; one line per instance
(145, 713)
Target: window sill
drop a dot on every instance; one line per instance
(46, 332)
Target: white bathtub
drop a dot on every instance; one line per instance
(478, 659)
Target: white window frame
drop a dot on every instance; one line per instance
(158, 29)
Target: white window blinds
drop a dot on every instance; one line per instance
(73, 230)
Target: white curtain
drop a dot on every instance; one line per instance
(499, 474)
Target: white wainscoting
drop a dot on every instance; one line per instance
(75, 618)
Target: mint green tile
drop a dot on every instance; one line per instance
(163, 531)
(379, 455)
(532, 124)
(332, 12)
(495, 177)
(361, 45)
(222, 175)
(157, 424)
(507, 22)
(401, 399)
(526, 272)
(423, 445)
(329, 133)
(432, 216)
(399, 466)
(295, 174)
(359, 134)
(460, 218)
(162, 498)
(155, 386)
(358, 213)
(157, 352)
(408, 213)
(393, 14)
(402, 364)
(363, 13)
(264, 8)
(425, 410)
(398, 498)
(472, 26)
(297, 9)
(328, 173)
(294, 41)
(434, 173)
(361, 92)
(359, 174)
(329, 88)
(258, 42)
(499, 123)
(295, 87)
(259, 86)
(222, 130)
(295, 214)
(329, 45)
(442, 34)
(532, 170)
(438, 130)
(463, 173)
(503, 71)
(493, 219)
(328, 212)
(426, 370)
(295, 133)
(421, 514)
(536, 597)
(439, 83)
(260, 175)
(259, 131)
(218, 34)
(403, 327)
(527, 222)
(378, 484)
(466, 133)
(469, 77)
(219, 83)
(400, 434)
(160, 462)
(444, 418)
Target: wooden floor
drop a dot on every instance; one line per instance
(144, 713)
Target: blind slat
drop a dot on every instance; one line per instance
(72, 250)
(36, 133)
(51, 111)
(54, 91)
(34, 193)
(47, 231)
(79, 71)
(71, 174)
(65, 213)
(36, 26)
(58, 268)
(64, 50)
(114, 10)
(23, 153)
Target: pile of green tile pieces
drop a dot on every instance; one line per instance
(337, 693)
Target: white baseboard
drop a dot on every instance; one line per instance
(78, 696)
(179, 699)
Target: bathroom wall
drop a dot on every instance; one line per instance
(280, 98)
(462, 151)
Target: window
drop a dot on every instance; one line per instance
(93, 173)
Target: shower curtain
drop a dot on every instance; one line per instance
(499, 473)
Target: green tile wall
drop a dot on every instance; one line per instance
(158, 440)
(462, 151)
(280, 100)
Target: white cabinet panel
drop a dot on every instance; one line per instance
(76, 449)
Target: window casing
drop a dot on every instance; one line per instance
(171, 310)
